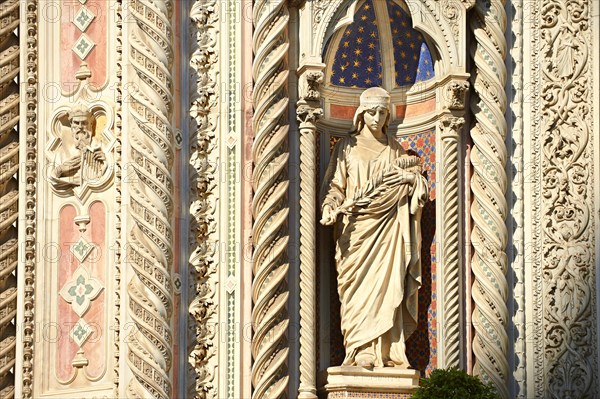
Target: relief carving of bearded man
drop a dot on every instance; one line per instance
(83, 159)
(374, 192)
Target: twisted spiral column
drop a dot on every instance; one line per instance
(307, 116)
(450, 127)
(269, 206)
(150, 249)
(488, 184)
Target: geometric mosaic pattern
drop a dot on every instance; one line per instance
(423, 144)
(80, 332)
(82, 20)
(81, 290)
(81, 249)
(421, 348)
(83, 46)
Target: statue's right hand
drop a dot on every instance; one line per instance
(328, 216)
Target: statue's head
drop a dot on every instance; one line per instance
(372, 99)
(81, 126)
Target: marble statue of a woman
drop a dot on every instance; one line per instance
(373, 192)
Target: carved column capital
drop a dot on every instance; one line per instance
(307, 115)
(450, 126)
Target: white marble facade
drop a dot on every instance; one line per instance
(194, 266)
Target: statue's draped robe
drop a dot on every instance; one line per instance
(377, 250)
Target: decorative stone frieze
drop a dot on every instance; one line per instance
(564, 222)
(30, 255)
(203, 309)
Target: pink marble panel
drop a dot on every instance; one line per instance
(95, 347)
(96, 31)
(96, 262)
(67, 264)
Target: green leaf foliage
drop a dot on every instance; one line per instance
(454, 383)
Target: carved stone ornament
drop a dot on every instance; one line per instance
(564, 226)
(204, 356)
(307, 114)
(31, 177)
(456, 93)
(79, 150)
(450, 127)
(376, 206)
(313, 80)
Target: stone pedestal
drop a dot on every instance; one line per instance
(358, 382)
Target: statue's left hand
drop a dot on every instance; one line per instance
(399, 176)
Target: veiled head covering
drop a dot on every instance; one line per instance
(369, 99)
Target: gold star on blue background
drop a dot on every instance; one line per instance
(358, 58)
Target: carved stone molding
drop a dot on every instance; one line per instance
(269, 206)
(9, 191)
(308, 111)
(564, 229)
(118, 199)
(488, 185)
(517, 204)
(31, 80)
(150, 239)
(203, 309)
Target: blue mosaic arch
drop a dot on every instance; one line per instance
(358, 59)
